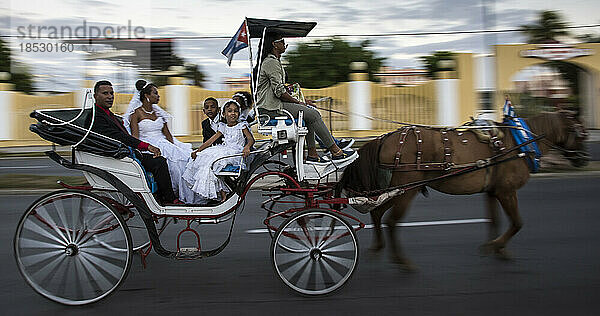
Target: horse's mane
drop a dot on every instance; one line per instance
(549, 124)
(361, 175)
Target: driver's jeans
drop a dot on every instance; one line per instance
(313, 120)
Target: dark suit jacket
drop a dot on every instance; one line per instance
(208, 132)
(105, 125)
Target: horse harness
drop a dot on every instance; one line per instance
(494, 140)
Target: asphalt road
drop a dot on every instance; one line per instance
(555, 268)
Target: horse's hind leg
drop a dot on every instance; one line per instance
(376, 215)
(399, 209)
(510, 205)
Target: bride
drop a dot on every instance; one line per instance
(148, 122)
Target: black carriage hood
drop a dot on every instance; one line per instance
(286, 28)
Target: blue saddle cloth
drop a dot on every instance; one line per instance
(520, 136)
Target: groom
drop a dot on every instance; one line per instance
(106, 123)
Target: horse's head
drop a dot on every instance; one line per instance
(570, 140)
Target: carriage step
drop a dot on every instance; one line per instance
(188, 254)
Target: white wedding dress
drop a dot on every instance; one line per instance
(198, 174)
(177, 154)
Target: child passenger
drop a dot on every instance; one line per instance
(236, 139)
(244, 98)
(209, 125)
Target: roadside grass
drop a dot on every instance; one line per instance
(29, 181)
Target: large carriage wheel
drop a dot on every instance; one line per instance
(72, 247)
(314, 252)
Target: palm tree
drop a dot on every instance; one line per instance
(546, 29)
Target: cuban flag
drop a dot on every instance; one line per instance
(238, 42)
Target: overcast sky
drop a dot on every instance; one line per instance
(63, 71)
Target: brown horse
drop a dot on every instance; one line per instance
(420, 153)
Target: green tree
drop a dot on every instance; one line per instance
(21, 78)
(589, 38)
(434, 63)
(323, 63)
(546, 29)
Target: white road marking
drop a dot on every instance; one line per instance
(26, 167)
(409, 224)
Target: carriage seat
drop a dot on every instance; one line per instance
(67, 134)
(71, 133)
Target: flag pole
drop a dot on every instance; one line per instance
(252, 83)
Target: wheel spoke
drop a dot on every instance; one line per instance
(25, 243)
(37, 258)
(319, 280)
(305, 274)
(341, 230)
(76, 214)
(84, 276)
(96, 276)
(62, 218)
(324, 230)
(104, 252)
(345, 262)
(104, 265)
(51, 223)
(289, 257)
(335, 276)
(49, 268)
(348, 246)
(30, 225)
(293, 269)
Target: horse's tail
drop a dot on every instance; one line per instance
(361, 175)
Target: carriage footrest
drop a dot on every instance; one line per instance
(188, 254)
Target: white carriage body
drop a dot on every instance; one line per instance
(132, 175)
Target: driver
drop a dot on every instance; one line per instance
(272, 97)
(106, 123)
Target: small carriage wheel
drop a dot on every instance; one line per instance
(137, 227)
(72, 247)
(314, 252)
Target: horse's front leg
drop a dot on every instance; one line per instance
(492, 208)
(510, 204)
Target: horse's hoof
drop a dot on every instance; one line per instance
(405, 264)
(376, 247)
(486, 249)
(502, 254)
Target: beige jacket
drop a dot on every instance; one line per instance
(271, 86)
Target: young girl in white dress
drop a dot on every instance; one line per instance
(148, 122)
(236, 139)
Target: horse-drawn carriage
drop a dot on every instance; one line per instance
(75, 246)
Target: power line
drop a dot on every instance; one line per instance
(200, 37)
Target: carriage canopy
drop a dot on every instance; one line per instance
(286, 28)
